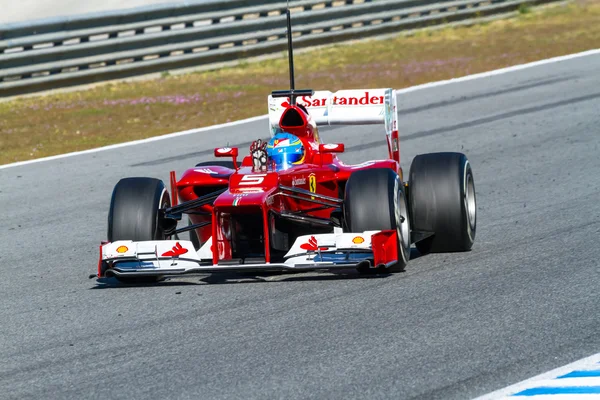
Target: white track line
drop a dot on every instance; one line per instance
(136, 142)
(399, 91)
(500, 71)
(547, 379)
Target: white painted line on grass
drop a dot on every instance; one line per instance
(398, 91)
(500, 71)
(576, 381)
(136, 142)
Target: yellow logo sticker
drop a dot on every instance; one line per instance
(312, 183)
(122, 249)
(358, 240)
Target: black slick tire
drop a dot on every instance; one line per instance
(442, 200)
(374, 199)
(134, 213)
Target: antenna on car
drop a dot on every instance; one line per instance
(292, 93)
(290, 48)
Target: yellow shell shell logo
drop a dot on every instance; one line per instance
(122, 249)
(358, 240)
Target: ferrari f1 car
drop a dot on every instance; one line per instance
(291, 204)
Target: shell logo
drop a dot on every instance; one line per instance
(122, 249)
(358, 240)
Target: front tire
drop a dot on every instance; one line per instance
(442, 200)
(134, 213)
(134, 209)
(375, 200)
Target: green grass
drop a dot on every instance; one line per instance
(41, 126)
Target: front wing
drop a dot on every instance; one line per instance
(126, 258)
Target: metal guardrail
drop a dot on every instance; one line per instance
(63, 52)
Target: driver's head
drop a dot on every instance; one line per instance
(285, 150)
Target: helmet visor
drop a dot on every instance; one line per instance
(285, 160)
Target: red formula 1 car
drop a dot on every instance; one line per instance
(291, 204)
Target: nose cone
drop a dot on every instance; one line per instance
(250, 189)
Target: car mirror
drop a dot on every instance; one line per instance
(228, 152)
(332, 148)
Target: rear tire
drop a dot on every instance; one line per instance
(375, 200)
(134, 213)
(442, 200)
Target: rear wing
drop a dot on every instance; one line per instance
(346, 107)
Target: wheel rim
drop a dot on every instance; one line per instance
(402, 221)
(165, 201)
(470, 200)
(404, 224)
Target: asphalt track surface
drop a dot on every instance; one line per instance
(453, 326)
